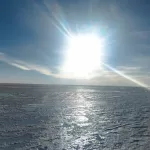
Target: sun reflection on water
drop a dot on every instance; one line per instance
(82, 108)
(79, 119)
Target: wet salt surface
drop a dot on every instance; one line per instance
(74, 117)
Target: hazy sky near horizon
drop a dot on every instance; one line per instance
(33, 39)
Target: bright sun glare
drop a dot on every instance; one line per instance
(84, 54)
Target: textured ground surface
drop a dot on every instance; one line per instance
(74, 118)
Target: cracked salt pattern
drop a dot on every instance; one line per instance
(74, 117)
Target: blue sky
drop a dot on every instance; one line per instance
(33, 40)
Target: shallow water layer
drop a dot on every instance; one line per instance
(74, 117)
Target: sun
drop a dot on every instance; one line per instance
(83, 55)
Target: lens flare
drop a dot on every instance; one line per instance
(126, 76)
(84, 55)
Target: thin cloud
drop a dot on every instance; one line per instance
(31, 67)
(130, 69)
(19, 66)
(104, 76)
(141, 34)
(24, 65)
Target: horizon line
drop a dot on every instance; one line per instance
(49, 84)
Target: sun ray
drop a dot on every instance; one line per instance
(125, 76)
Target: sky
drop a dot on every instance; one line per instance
(34, 34)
